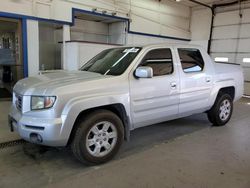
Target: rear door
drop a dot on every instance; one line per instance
(195, 81)
(155, 99)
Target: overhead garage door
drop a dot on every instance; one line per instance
(231, 40)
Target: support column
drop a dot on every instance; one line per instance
(66, 37)
(33, 47)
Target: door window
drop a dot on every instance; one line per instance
(160, 60)
(191, 60)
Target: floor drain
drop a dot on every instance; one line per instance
(11, 143)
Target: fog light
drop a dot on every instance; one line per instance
(36, 138)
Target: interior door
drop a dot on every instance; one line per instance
(155, 99)
(196, 81)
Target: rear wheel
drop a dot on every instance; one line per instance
(221, 111)
(98, 137)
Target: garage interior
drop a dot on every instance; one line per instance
(187, 152)
(10, 53)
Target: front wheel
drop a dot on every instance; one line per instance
(221, 111)
(98, 137)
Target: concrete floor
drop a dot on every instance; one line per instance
(5, 134)
(182, 153)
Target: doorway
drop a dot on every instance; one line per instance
(11, 65)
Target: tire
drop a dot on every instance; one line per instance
(98, 137)
(221, 111)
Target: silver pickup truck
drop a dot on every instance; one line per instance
(94, 109)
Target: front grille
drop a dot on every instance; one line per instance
(19, 102)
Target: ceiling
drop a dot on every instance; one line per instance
(208, 2)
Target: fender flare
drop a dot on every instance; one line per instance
(218, 86)
(76, 106)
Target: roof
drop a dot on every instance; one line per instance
(161, 45)
(187, 45)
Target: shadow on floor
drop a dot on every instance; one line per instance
(141, 139)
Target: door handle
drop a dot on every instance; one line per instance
(173, 85)
(208, 79)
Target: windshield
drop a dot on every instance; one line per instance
(112, 61)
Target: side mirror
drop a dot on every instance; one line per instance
(144, 72)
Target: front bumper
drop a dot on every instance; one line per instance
(48, 130)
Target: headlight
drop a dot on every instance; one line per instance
(39, 102)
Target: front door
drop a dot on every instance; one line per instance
(155, 99)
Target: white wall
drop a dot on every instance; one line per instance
(160, 18)
(164, 17)
(200, 26)
(49, 48)
(78, 53)
(89, 31)
(84, 30)
(33, 47)
(117, 33)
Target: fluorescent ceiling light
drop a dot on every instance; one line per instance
(246, 60)
(221, 59)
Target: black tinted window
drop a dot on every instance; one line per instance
(160, 60)
(191, 60)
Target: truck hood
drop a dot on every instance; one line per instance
(46, 83)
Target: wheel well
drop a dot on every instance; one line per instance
(118, 109)
(228, 90)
